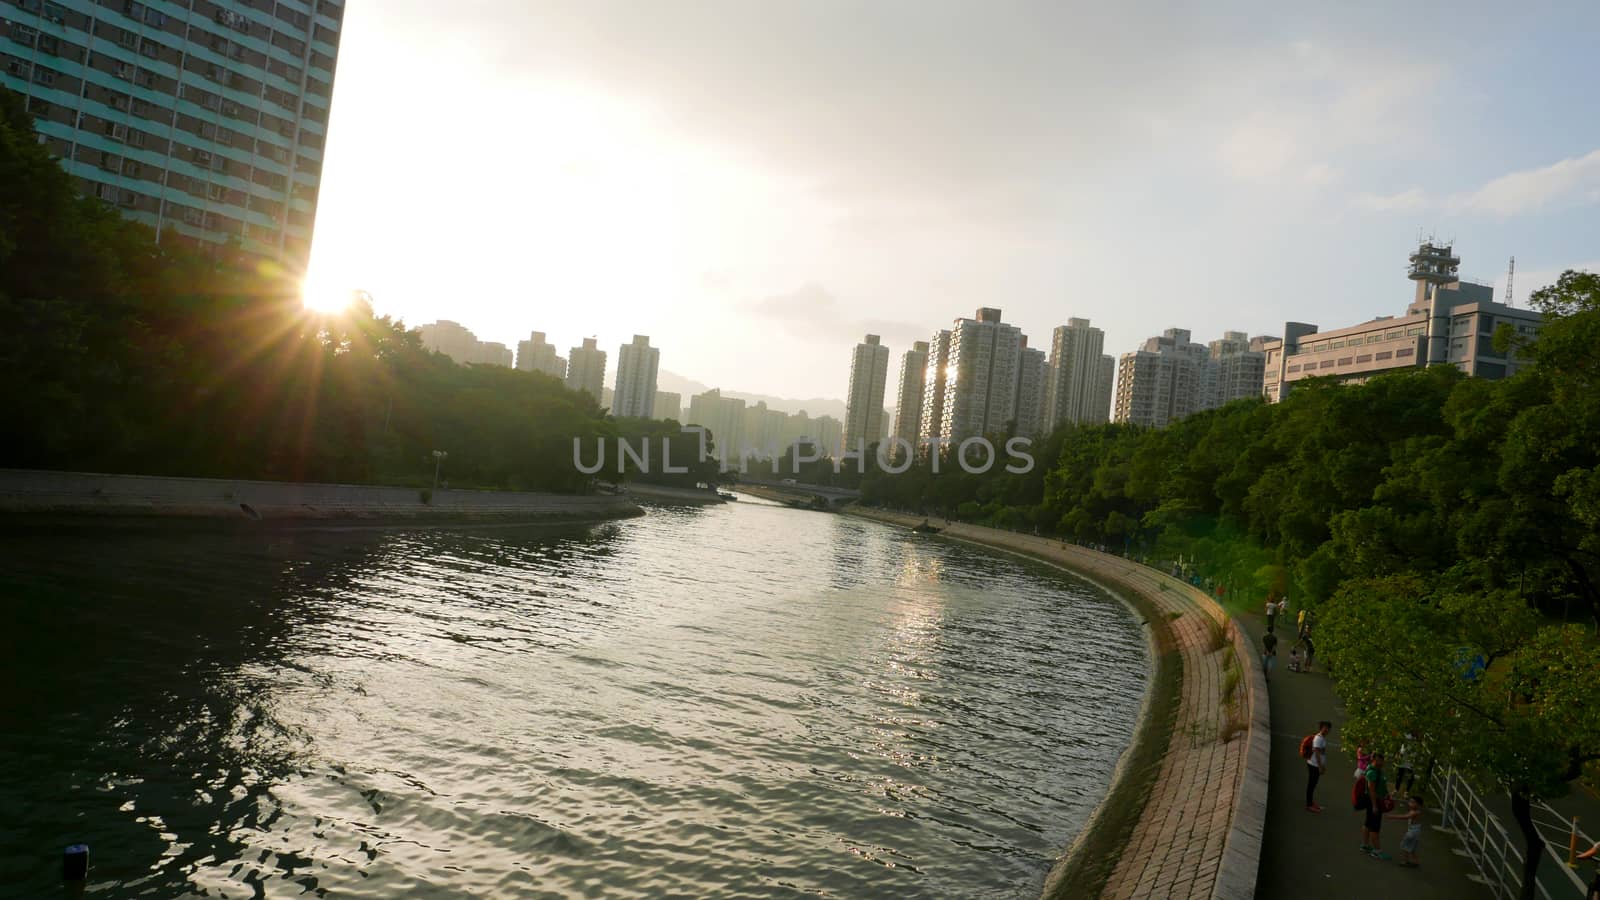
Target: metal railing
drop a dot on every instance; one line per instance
(1498, 854)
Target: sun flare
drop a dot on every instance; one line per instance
(325, 298)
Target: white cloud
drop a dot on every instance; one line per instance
(1412, 198)
(1570, 182)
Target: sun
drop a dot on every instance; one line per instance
(325, 298)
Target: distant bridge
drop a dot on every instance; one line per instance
(815, 496)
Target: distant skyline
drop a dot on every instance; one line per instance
(757, 185)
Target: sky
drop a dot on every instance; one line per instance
(756, 185)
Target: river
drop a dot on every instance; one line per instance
(741, 700)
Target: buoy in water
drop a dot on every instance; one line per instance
(75, 863)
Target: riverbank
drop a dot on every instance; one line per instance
(667, 494)
(30, 494)
(1185, 812)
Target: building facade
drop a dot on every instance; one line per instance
(1162, 381)
(1237, 365)
(869, 376)
(204, 120)
(669, 405)
(933, 388)
(723, 417)
(1032, 378)
(1449, 322)
(637, 365)
(908, 396)
(455, 341)
(980, 394)
(586, 369)
(1099, 411)
(538, 355)
(1072, 384)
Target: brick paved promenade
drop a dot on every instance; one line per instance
(1199, 832)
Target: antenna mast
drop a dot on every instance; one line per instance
(1511, 274)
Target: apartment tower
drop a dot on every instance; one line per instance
(586, 369)
(869, 375)
(637, 364)
(908, 409)
(204, 120)
(538, 355)
(980, 395)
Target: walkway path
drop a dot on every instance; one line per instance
(1310, 856)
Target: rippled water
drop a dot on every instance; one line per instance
(736, 701)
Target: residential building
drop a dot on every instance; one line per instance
(1236, 367)
(933, 389)
(1161, 382)
(1449, 322)
(1032, 378)
(1073, 380)
(637, 365)
(981, 388)
(908, 397)
(669, 405)
(869, 376)
(538, 355)
(205, 121)
(761, 435)
(455, 341)
(586, 369)
(723, 417)
(1099, 408)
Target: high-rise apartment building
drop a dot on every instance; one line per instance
(1073, 382)
(637, 364)
(538, 355)
(1032, 375)
(1099, 411)
(455, 341)
(1161, 382)
(204, 120)
(869, 376)
(933, 389)
(586, 369)
(669, 405)
(1449, 322)
(980, 394)
(1236, 367)
(724, 418)
(908, 402)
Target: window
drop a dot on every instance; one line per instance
(1404, 351)
(116, 132)
(128, 39)
(1387, 354)
(1325, 364)
(1374, 337)
(1415, 330)
(1294, 369)
(43, 76)
(1334, 345)
(216, 192)
(150, 49)
(1365, 358)
(1394, 335)
(49, 44)
(1345, 361)
(132, 169)
(136, 138)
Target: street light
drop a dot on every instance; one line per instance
(438, 460)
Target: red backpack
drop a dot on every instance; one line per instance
(1306, 746)
(1359, 797)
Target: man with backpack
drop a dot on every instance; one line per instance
(1314, 750)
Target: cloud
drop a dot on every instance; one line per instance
(1570, 182)
(812, 312)
(1412, 198)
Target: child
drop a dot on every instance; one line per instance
(1408, 843)
(1294, 658)
(1363, 759)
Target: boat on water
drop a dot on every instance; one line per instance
(924, 528)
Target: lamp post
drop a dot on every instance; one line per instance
(438, 461)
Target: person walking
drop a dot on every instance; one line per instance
(1272, 614)
(1269, 653)
(1316, 763)
(1377, 803)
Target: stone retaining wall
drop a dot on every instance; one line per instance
(1198, 827)
(33, 491)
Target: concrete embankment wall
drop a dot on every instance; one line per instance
(668, 494)
(79, 494)
(1185, 812)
